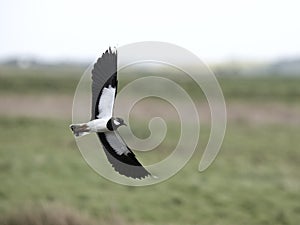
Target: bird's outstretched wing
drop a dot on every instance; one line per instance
(120, 156)
(104, 89)
(104, 85)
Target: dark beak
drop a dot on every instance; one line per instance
(125, 124)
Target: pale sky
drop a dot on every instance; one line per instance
(215, 30)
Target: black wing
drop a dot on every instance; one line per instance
(120, 156)
(104, 85)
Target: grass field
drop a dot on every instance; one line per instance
(254, 180)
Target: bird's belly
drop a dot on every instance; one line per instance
(98, 125)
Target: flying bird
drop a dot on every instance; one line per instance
(104, 124)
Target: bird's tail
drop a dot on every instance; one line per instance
(79, 129)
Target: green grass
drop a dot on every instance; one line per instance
(64, 80)
(261, 88)
(255, 179)
(38, 80)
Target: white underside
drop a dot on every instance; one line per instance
(98, 125)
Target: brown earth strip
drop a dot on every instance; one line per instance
(60, 106)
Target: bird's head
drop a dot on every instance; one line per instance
(114, 123)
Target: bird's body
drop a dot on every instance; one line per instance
(104, 89)
(93, 126)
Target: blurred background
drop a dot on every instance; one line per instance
(252, 47)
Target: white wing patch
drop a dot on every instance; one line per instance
(117, 143)
(116, 123)
(106, 103)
